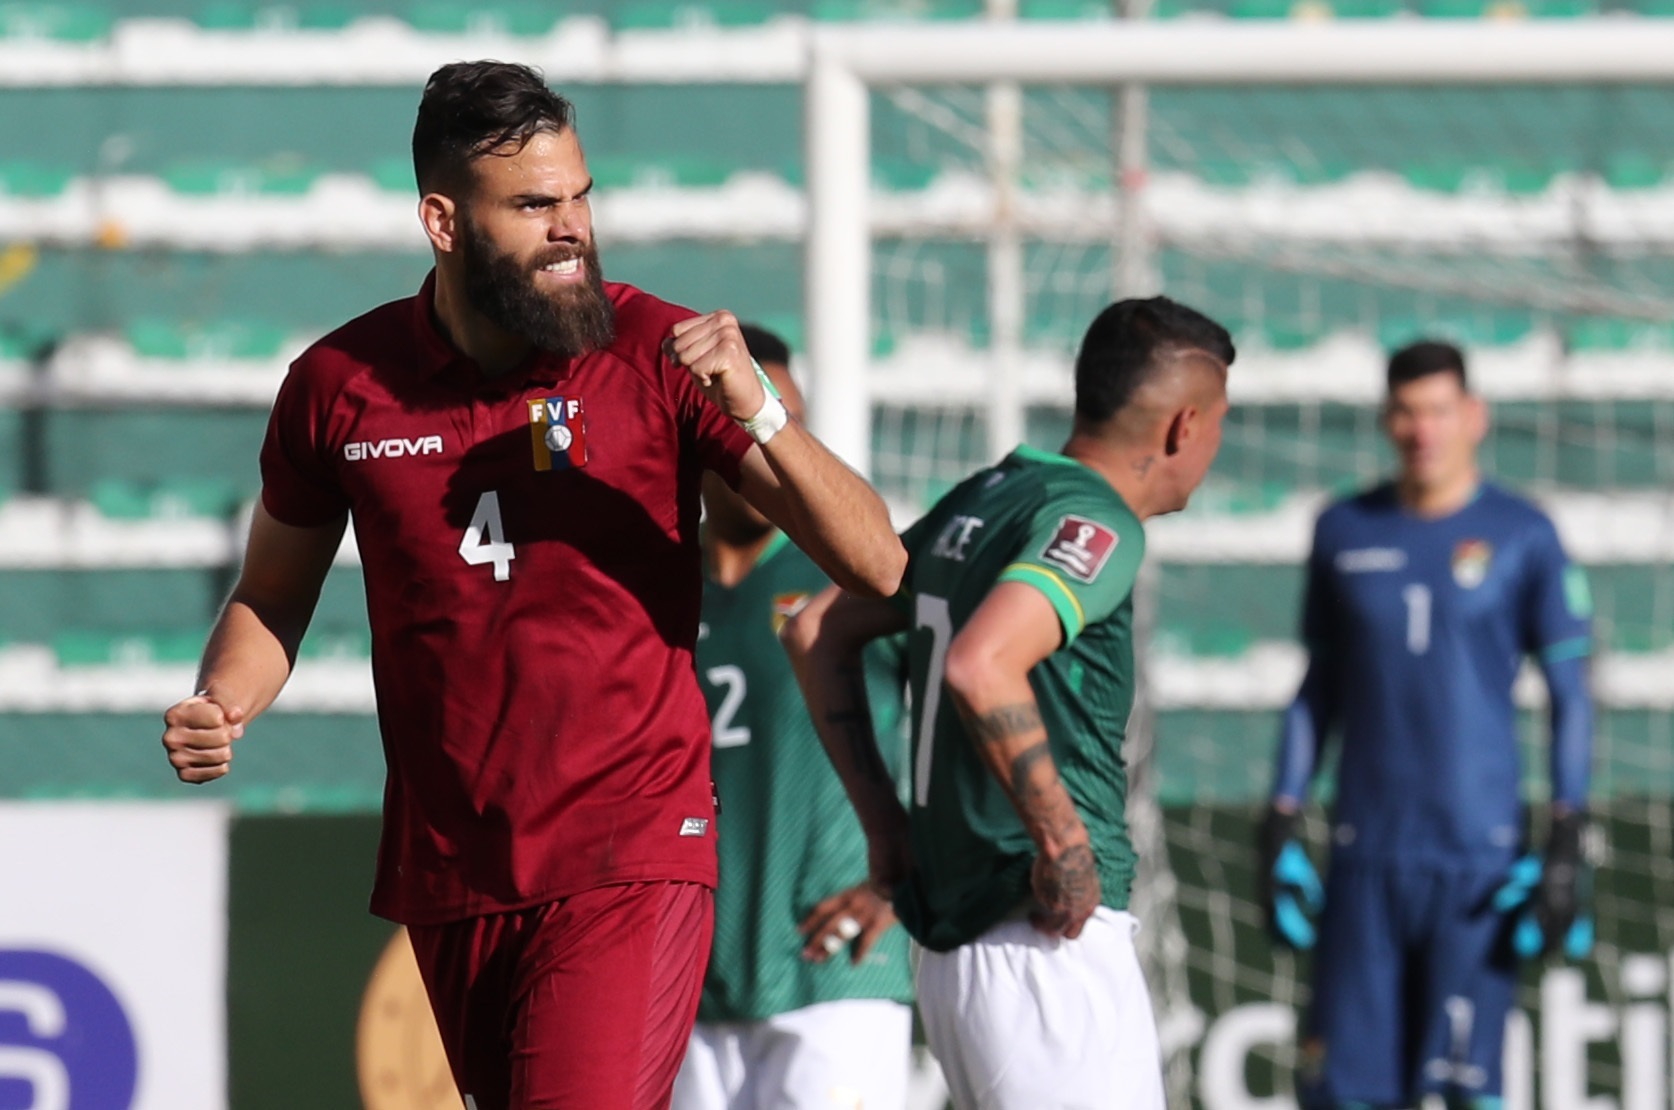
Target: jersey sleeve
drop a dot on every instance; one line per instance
(721, 444)
(1557, 605)
(1083, 554)
(1307, 721)
(300, 486)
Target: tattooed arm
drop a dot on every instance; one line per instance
(988, 667)
(824, 642)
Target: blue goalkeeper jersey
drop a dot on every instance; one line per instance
(1416, 629)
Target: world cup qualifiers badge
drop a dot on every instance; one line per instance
(558, 432)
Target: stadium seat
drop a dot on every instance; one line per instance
(82, 23)
(1561, 9)
(120, 499)
(1601, 333)
(1262, 9)
(1452, 9)
(82, 648)
(280, 175)
(902, 176)
(442, 17)
(884, 11)
(148, 446)
(1066, 9)
(1367, 9)
(33, 179)
(1436, 176)
(1291, 335)
(153, 337)
(325, 16)
(658, 15)
(1630, 170)
(396, 175)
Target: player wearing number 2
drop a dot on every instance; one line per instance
(520, 447)
(1423, 596)
(1012, 867)
(806, 1003)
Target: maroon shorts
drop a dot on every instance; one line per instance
(583, 1003)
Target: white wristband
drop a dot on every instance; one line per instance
(767, 421)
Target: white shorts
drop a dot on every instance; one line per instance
(846, 1055)
(1023, 1021)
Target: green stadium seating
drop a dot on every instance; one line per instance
(1066, 9)
(884, 11)
(104, 649)
(153, 337)
(167, 498)
(325, 16)
(151, 446)
(657, 15)
(1366, 9)
(82, 23)
(33, 179)
(1262, 9)
(900, 176)
(441, 17)
(1561, 9)
(210, 176)
(1453, 9)
(396, 175)
(1606, 334)
(1631, 170)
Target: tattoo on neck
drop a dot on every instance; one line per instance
(1143, 466)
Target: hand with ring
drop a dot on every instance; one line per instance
(856, 918)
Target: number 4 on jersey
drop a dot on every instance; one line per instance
(485, 538)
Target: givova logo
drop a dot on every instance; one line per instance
(65, 1042)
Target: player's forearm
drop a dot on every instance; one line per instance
(1572, 732)
(1004, 723)
(249, 655)
(1302, 731)
(829, 669)
(834, 515)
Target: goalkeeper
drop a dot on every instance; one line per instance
(1423, 596)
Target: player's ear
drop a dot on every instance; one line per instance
(1476, 418)
(439, 215)
(1182, 426)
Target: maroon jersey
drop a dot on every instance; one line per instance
(530, 549)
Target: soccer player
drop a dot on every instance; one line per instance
(1013, 867)
(520, 447)
(781, 1022)
(1423, 596)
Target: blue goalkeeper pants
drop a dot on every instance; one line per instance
(1413, 979)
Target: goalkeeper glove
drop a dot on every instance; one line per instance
(1552, 897)
(1291, 892)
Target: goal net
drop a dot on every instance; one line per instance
(1325, 217)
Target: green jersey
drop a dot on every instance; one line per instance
(1053, 524)
(788, 837)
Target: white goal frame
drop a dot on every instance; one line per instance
(845, 64)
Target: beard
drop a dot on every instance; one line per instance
(566, 322)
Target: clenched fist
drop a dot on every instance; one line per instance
(712, 349)
(199, 736)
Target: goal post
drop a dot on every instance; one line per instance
(1328, 190)
(845, 63)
